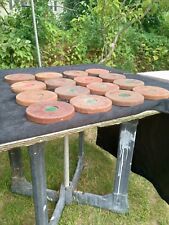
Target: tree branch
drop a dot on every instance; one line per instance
(118, 35)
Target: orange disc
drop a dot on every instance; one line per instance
(52, 112)
(96, 71)
(60, 82)
(100, 88)
(90, 104)
(27, 98)
(66, 93)
(27, 85)
(152, 92)
(111, 77)
(128, 84)
(125, 98)
(84, 81)
(13, 78)
(75, 73)
(47, 75)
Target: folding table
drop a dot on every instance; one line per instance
(24, 133)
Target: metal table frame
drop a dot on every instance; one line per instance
(117, 201)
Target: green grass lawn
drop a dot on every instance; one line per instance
(146, 207)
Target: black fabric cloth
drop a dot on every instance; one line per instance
(15, 126)
(151, 152)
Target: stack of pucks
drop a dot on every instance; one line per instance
(47, 75)
(60, 82)
(27, 98)
(13, 78)
(74, 73)
(91, 104)
(100, 88)
(128, 84)
(52, 112)
(96, 71)
(125, 98)
(152, 92)
(28, 85)
(66, 93)
(84, 81)
(111, 77)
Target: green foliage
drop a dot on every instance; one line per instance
(142, 52)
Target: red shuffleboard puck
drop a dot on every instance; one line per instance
(18, 77)
(66, 93)
(100, 88)
(125, 98)
(111, 77)
(96, 71)
(27, 98)
(91, 104)
(152, 92)
(128, 84)
(47, 75)
(60, 82)
(52, 112)
(28, 85)
(75, 73)
(84, 81)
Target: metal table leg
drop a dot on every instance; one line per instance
(19, 183)
(123, 165)
(66, 190)
(36, 153)
(118, 200)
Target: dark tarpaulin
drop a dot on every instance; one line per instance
(151, 153)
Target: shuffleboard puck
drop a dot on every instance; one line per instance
(27, 98)
(84, 81)
(66, 93)
(96, 71)
(125, 98)
(18, 77)
(47, 75)
(60, 82)
(152, 92)
(75, 73)
(128, 84)
(91, 104)
(111, 77)
(52, 112)
(27, 85)
(100, 88)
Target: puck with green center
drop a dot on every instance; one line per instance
(66, 93)
(152, 92)
(91, 104)
(100, 88)
(52, 112)
(27, 98)
(128, 84)
(125, 98)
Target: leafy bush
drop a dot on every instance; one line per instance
(142, 51)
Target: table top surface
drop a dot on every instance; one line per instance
(17, 131)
